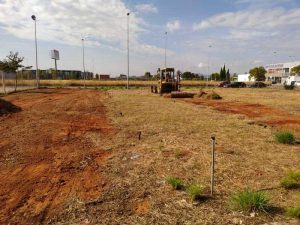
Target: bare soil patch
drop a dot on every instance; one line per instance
(263, 114)
(45, 157)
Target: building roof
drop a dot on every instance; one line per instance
(282, 65)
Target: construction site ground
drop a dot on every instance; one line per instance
(79, 156)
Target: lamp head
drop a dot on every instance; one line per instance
(33, 17)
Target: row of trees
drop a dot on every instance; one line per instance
(224, 74)
(191, 76)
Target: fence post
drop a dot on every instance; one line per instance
(212, 176)
(3, 82)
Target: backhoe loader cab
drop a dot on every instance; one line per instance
(167, 83)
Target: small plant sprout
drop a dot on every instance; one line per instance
(176, 183)
(285, 137)
(291, 180)
(195, 191)
(293, 212)
(249, 201)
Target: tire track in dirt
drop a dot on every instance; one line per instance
(45, 158)
(261, 113)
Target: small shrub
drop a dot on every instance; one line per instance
(293, 212)
(249, 201)
(215, 96)
(176, 183)
(285, 137)
(195, 191)
(291, 180)
(289, 87)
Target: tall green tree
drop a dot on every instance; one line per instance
(215, 76)
(228, 75)
(11, 63)
(223, 73)
(296, 70)
(259, 73)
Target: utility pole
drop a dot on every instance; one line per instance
(33, 17)
(128, 14)
(208, 71)
(166, 42)
(83, 62)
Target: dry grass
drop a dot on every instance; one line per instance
(247, 156)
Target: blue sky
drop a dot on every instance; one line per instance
(242, 33)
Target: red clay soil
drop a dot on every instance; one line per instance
(45, 157)
(261, 113)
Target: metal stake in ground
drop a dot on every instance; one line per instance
(212, 176)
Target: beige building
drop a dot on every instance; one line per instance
(279, 71)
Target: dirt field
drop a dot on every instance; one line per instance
(74, 157)
(46, 159)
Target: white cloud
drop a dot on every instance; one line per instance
(262, 19)
(202, 65)
(67, 21)
(249, 34)
(173, 25)
(146, 8)
(265, 2)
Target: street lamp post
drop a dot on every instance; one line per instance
(128, 14)
(33, 17)
(166, 42)
(207, 68)
(208, 63)
(84, 77)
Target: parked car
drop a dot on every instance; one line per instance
(258, 85)
(235, 85)
(223, 83)
(297, 84)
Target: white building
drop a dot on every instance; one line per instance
(245, 78)
(280, 71)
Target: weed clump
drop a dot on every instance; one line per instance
(176, 183)
(214, 96)
(293, 212)
(291, 180)
(289, 87)
(249, 201)
(285, 137)
(195, 191)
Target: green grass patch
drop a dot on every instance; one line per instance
(195, 191)
(291, 180)
(285, 137)
(293, 212)
(249, 201)
(176, 183)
